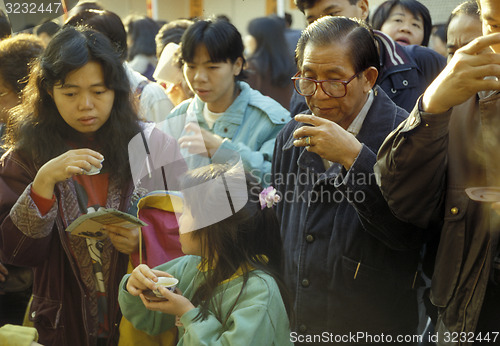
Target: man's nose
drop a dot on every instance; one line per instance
(320, 93)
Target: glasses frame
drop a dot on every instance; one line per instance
(320, 82)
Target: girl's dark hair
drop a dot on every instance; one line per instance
(250, 238)
(271, 56)
(221, 38)
(37, 129)
(142, 31)
(5, 27)
(415, 7)
(353, 33)
(107, 23)
(49, 27)
(16, 56)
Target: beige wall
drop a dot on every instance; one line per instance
(239, 11)
(242, 11)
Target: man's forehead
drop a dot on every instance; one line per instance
(490, 10)
(333, 58)
(323, 5)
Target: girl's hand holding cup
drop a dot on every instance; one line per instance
(143, 278)
(175, 303)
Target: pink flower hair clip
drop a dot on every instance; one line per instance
(268, 197)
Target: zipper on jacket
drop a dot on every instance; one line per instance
(357, 269)
(414, 280)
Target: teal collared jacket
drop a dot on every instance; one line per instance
(249, 128)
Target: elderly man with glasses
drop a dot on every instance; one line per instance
(350, 264)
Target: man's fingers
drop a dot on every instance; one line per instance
(480, 43)
(310, 119)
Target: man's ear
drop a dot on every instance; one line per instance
(370, 75)
(51, 93)
(364, 8)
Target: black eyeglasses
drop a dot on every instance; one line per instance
(332, 87)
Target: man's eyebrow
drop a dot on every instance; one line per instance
(330, 8)
(325, 10)
(488, 18)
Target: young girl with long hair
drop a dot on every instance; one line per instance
(232, 290)
(76, 118)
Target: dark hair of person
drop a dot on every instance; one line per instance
(107, 23)
(353, 33)
(250, 238)
(439, 30)
(303, 5)
(469, 8)
(271, 57)
(49, 27)
(5, 27)
(416, 8)
(36, 128)
(221, 38)
(87, 5)
(288, 19)
(171, 32)
(142, 31)
(16, 56)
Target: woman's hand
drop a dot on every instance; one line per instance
(62, 167)
(176, 303)
(125, 240)
(143, 278)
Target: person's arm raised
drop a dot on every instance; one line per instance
(464, 76)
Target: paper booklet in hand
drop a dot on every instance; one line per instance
(90, 225)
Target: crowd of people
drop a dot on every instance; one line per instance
(335, 185)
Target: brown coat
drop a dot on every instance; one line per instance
(424, 166)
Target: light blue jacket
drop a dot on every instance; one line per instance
(249, 128)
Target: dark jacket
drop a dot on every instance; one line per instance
(425, 167)
(349, 263)
(404, 74)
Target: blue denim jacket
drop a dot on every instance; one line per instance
(350, 264)
(249, 127)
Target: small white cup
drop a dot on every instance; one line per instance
(167, 282)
